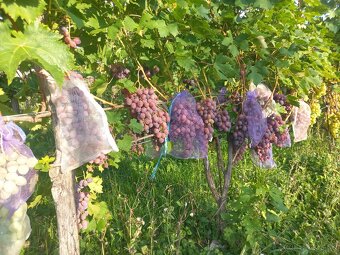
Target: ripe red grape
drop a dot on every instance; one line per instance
(119, 71)
(82, 199)
(143, 106)
(207, 110)
(187, 127)
(222, 121)
(282, 100)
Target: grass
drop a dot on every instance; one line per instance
(175, 213)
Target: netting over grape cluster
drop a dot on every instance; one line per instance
(17, 174)
(257, 123)
(186, 128)
(83, 124)
(301, 121)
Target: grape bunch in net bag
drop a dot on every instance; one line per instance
(282, 100)
(82, 122)
(280, 134)
(257, 123)
(143, 105)
(207, 110)
(302, 120)
(14, 230)
(239, 137)
(186, 128)
(262, 154)
(17, 174)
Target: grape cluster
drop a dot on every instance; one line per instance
(236, 100)
(282, 100)
(143, 105)
(15, 173)
(222, 121)
(189, 82)
(119, 71)
(239, 137)
(187, 131)
(14, 229)
(320, 90)
(68, 40)
(315, 111)
(207, 110)
(101, 160)
(240, 131)
(222, 96)
(333, 113)
(82, 199)
(279, 134)
(263, 149)
(149, 72)
(137, 147)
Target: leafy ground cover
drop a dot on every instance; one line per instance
(293, 209)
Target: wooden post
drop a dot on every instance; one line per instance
(63, 184)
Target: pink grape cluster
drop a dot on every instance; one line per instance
(240, 131)
(82, 199)
(282, 100)
(263, 149)
(143, 105)
(276, 127)
(273, 135)
(236, 100)
(189, 82)
(119, 71)
(239, 137)
(207, 110)
(150, 72)
(222, 121)
(68, 40)
(137, 147)
(101, 160)
(186, 131)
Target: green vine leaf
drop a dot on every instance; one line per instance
(38, 45)
(27, 10)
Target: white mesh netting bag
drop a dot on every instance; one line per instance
(14, 230)
(301, 121)
(83, 124)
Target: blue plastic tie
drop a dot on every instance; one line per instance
(164, 148)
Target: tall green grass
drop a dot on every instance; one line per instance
(174, 214)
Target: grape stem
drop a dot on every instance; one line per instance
(114, 106)
(27, 117)
(210, 180)
(35, 117)
(227, 179)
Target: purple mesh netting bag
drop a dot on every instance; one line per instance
(257, 123)
(186, 131)
(17, 174)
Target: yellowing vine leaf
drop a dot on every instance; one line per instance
(35, 44)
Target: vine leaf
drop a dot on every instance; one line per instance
(136, 126)
(125, 143)
(27, 10)
(38, 45)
